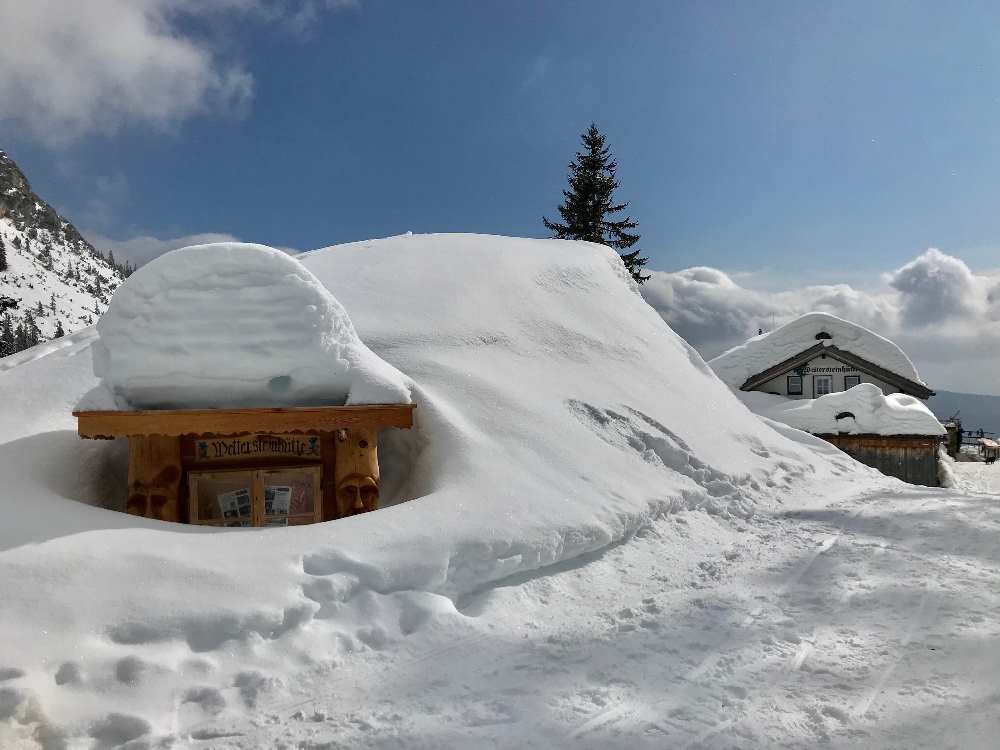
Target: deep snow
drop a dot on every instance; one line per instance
(862, 410)
(603, 547)
(228, 325)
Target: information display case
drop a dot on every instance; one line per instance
(289, 496)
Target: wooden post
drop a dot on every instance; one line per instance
(328, 494)
(356, 472)
(154, 475)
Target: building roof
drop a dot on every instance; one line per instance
(769, 355)
(862, 410)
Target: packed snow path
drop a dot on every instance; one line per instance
(870, 624)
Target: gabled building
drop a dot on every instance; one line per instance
(845, 384)
(818, 354)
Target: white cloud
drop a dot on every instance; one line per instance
(69, 69)
(941, 313)
(934, 287)
(707, 308)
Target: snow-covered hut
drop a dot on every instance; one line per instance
(245, 393)
(817, 354)
(846, 384)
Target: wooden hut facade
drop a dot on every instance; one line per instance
(912, 458)
(250, 467)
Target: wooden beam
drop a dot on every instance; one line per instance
(106, 425)
(154, 475)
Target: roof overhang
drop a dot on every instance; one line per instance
(106, 425)
(904, 384)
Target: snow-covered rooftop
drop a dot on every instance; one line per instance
(767, 350)
(233, 325)
(558, 415)
(863, 410)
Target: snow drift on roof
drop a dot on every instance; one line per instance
(761, 352)
(230, 325)
(557, 414)
(863, 410)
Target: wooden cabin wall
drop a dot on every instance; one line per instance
(154, 477)
(912, 459)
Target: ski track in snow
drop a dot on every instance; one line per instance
(852, 626)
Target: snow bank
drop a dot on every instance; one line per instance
(764, 351)
(230, 325)
(947, 473)
(557, 415)
(862, 410)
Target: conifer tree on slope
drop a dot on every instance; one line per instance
(589, 204)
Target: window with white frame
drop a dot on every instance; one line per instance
(794, 385)
(851, 380)
(822, 385)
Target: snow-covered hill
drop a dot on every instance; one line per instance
(589, 542)
(53, 275)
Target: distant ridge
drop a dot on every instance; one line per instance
(978, 411)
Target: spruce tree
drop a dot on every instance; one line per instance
(7, 343)
(20, 337)
(3, 256)
(589, 204)
(31, 329)
(59, 330)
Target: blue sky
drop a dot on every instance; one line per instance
(811, 139)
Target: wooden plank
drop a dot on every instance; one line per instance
(257, 509)
(106, 425)
(154, 475)
(329, 481)
(912, 458)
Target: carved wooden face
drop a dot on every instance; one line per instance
(357, 493)
(149, 499)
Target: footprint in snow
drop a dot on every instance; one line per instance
(117, 729)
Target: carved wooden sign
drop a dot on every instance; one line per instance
(306, 447)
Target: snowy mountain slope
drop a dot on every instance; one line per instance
(52, 271)
(557, 416)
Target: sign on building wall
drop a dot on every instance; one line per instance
(808, 370)
(257, 446)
